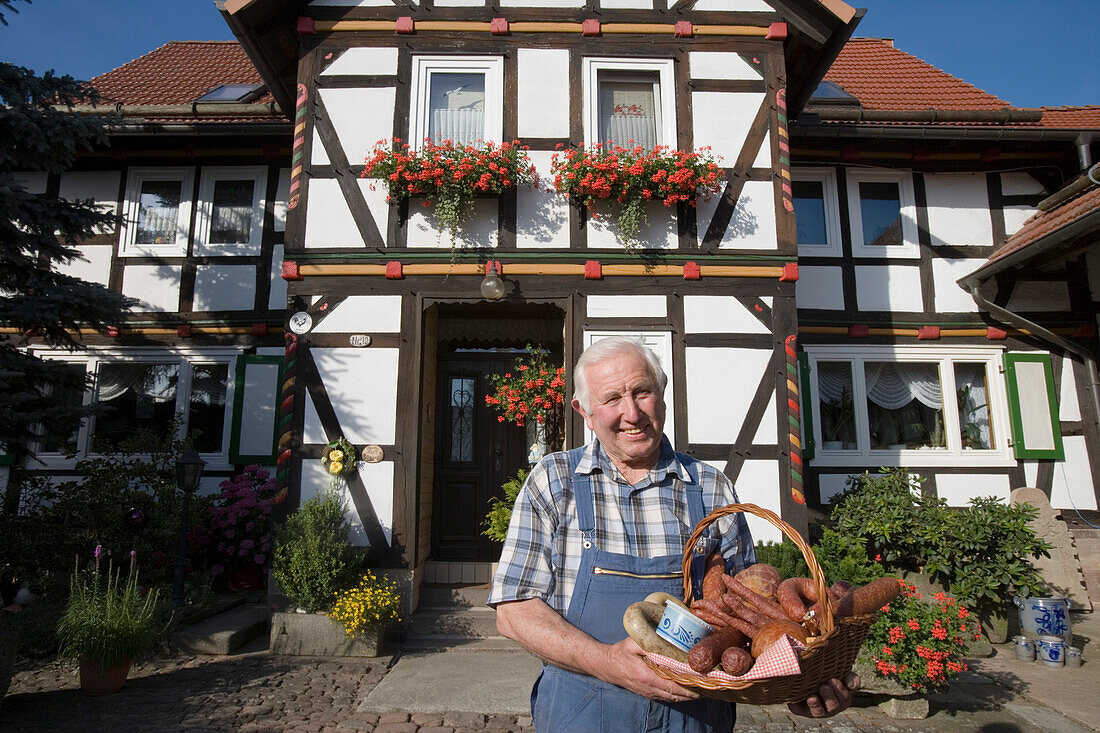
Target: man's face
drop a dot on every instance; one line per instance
(627, 410)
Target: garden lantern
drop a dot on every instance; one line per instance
(188, 472)
(492, 287)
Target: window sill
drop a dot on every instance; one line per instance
(915, 459)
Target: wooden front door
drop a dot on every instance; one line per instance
(474, 455)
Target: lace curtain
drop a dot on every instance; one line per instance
(156, 382)
(834, 379)
(231, 218)
(974, 409)
(627, 112)
(893, 385)
(463, 126)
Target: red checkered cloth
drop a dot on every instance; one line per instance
(778, 660)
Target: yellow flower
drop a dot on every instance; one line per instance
(336, 456)
(335, 467)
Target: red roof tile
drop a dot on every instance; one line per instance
(178, 73)
(882, 77)
(1045, 223)
(1075, 118)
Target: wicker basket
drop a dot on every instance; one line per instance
(829, 655)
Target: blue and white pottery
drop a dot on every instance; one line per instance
(1044, 617)
(1025, 648)
(681, 628)
(1073, 656)
(1052, 651)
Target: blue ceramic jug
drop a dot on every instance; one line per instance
(1044, 617)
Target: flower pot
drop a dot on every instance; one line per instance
(98, 680)
(317, 635)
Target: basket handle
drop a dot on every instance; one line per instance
(826, 621)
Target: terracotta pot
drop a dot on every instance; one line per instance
(96, 680)
(250, 577)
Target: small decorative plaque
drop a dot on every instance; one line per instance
(372, 453)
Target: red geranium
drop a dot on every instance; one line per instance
(535, 389)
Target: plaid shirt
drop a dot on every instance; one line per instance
(542, 552)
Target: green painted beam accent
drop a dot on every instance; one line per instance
(445, 257)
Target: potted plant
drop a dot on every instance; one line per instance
(237, 532)
(629, 178)
(500, 510)
(107, 625)
(365, 609)
(533, 390)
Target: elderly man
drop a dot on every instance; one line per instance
(597, 528)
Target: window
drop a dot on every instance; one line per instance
(231, 211)
(157, 217)
(882, 213)
(230, 93)
(893, 406)
(147, 389)
(69, 393)
(816, 211)
(629, 102)
(458, 98)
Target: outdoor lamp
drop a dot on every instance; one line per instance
(188, 472)
(492, 287)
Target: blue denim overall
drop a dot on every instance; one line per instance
(606, 584)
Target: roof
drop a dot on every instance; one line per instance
(1051, 222)
(1084, 117)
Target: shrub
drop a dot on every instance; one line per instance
(37, 629)
(313, 558)
(500, 510)
(785, 556)
(843, 558)
(374, 602)
(237, 528)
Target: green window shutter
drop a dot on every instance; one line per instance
(1033, 406)
(255, 409)
(808, 443)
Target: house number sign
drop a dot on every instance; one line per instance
(359, 339)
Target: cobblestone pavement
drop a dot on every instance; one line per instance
(260, 692)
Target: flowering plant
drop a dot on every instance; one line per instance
(449, 175)
(237, 532)
(535, 388)
(338, 457)
(373, 602)
(920, 643)
(632, 176)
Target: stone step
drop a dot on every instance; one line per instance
(472, 623)
(225, 633)
(445, 643)
(453, 596)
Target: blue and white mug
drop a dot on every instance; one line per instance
(681, 628)
(1025, 648)
(1052, 651)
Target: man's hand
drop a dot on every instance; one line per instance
(624, 665)
(831, 698)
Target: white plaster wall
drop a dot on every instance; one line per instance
(720, 386)
(276, 297)
(950, 296)
(328, 219)
(353, 3)
(542, 3)
(316, 481)
(758, 483)
(764, 154)
(820, 287)
(626, 306)
(479, 230)
(1039, 296)
(1031, 472)
(312, 432)
(258, 413)
(1015, 216)
(365, 61)
(719, 314)
(543, 95)
(659, 232)
(361, 117)
(959, 488)
(888, 288)
(1069, 409)
(282, 197)
(378, 480)
(733, 5)
(225, 288)
(365, 415)
(752, 225)
(720, 65)
(364, 314)
(1072, 487)
(157, 287)
(460, 4)
(95, 266)
(1019, 184)
(542, 216)
(100, 186)
(318, 154)
(958, 209)
(768, 431)
(721, 120)
(626, 4)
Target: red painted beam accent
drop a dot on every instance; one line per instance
(684, 29)
(499, 26)
(393, 270)
(691, 271)
(790, 273)
(593, 270)
(590, 27)
(494, 263)
(259, 329)
(306, 26)
(928, 333)
(290, 270)
(1085, 331)
(777, 32)
(112, 330)
(861, 331)
(183, 331)
(996, 334)
(405, 24)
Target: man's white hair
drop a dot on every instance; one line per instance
(607, 348)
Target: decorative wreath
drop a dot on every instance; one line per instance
(339, 457)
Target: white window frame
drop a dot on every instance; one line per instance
(910, 247)
(128, 247)
(186, 358)
(666, 97)
(1000, 455)
(425, 66)
(831, 203)
(205, 210)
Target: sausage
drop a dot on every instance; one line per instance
(738, 608)
(640, 621)
(714, 608)
(773, 631)
(713, 587)
(706, 654)
(873, 596)
(793, 593)
(736, 661)
(838, 589)
(765, 606)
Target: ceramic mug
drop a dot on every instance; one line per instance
(1073, 656)
(1025, 648)
(1052, 651)
(681, 628)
